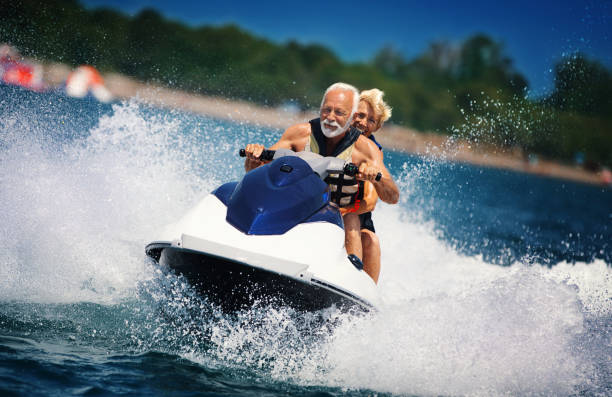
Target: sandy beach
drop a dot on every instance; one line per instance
(391, 136)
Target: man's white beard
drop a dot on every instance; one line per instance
(333, 133)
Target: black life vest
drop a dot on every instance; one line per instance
(345, 190)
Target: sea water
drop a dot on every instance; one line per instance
(492, 282)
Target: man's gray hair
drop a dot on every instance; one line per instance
(347, 87)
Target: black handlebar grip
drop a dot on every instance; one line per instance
(351, 169)
(266, 155)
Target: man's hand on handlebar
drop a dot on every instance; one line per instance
(253, 152)
(368, 173)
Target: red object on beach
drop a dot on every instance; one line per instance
(21, 74)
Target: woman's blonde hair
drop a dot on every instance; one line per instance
(375, 98)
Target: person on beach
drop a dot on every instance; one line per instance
(372, 112)
(333, 135)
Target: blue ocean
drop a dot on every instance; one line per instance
(493, 282)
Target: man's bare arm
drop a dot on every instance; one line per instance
(292, 138)
(385, 188)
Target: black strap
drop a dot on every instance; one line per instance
(339, 181)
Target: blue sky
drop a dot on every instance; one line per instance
(535, 33)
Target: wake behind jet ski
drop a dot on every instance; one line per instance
(273, 237)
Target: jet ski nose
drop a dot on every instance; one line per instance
(276, 197)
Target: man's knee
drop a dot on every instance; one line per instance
(369, 239)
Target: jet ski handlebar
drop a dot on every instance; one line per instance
(266, 155)
(349, 169)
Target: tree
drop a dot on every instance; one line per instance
(482, 59)
(582, 86)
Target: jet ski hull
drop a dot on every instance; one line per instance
(273, 237)
(233, 285)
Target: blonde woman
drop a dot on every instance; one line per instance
(371, 114)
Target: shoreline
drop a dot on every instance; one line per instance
(391, 136)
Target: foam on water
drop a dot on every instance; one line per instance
(77, 216)
(449, 325)
(455, 325)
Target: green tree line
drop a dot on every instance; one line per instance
(471, 90)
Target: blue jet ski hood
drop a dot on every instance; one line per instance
(275, 197)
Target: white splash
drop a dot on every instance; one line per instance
(78, 216)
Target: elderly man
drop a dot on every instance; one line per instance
(371, 114)
(332, 135)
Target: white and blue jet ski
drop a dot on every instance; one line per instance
(273, 237)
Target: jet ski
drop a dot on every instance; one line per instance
(273, 237)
